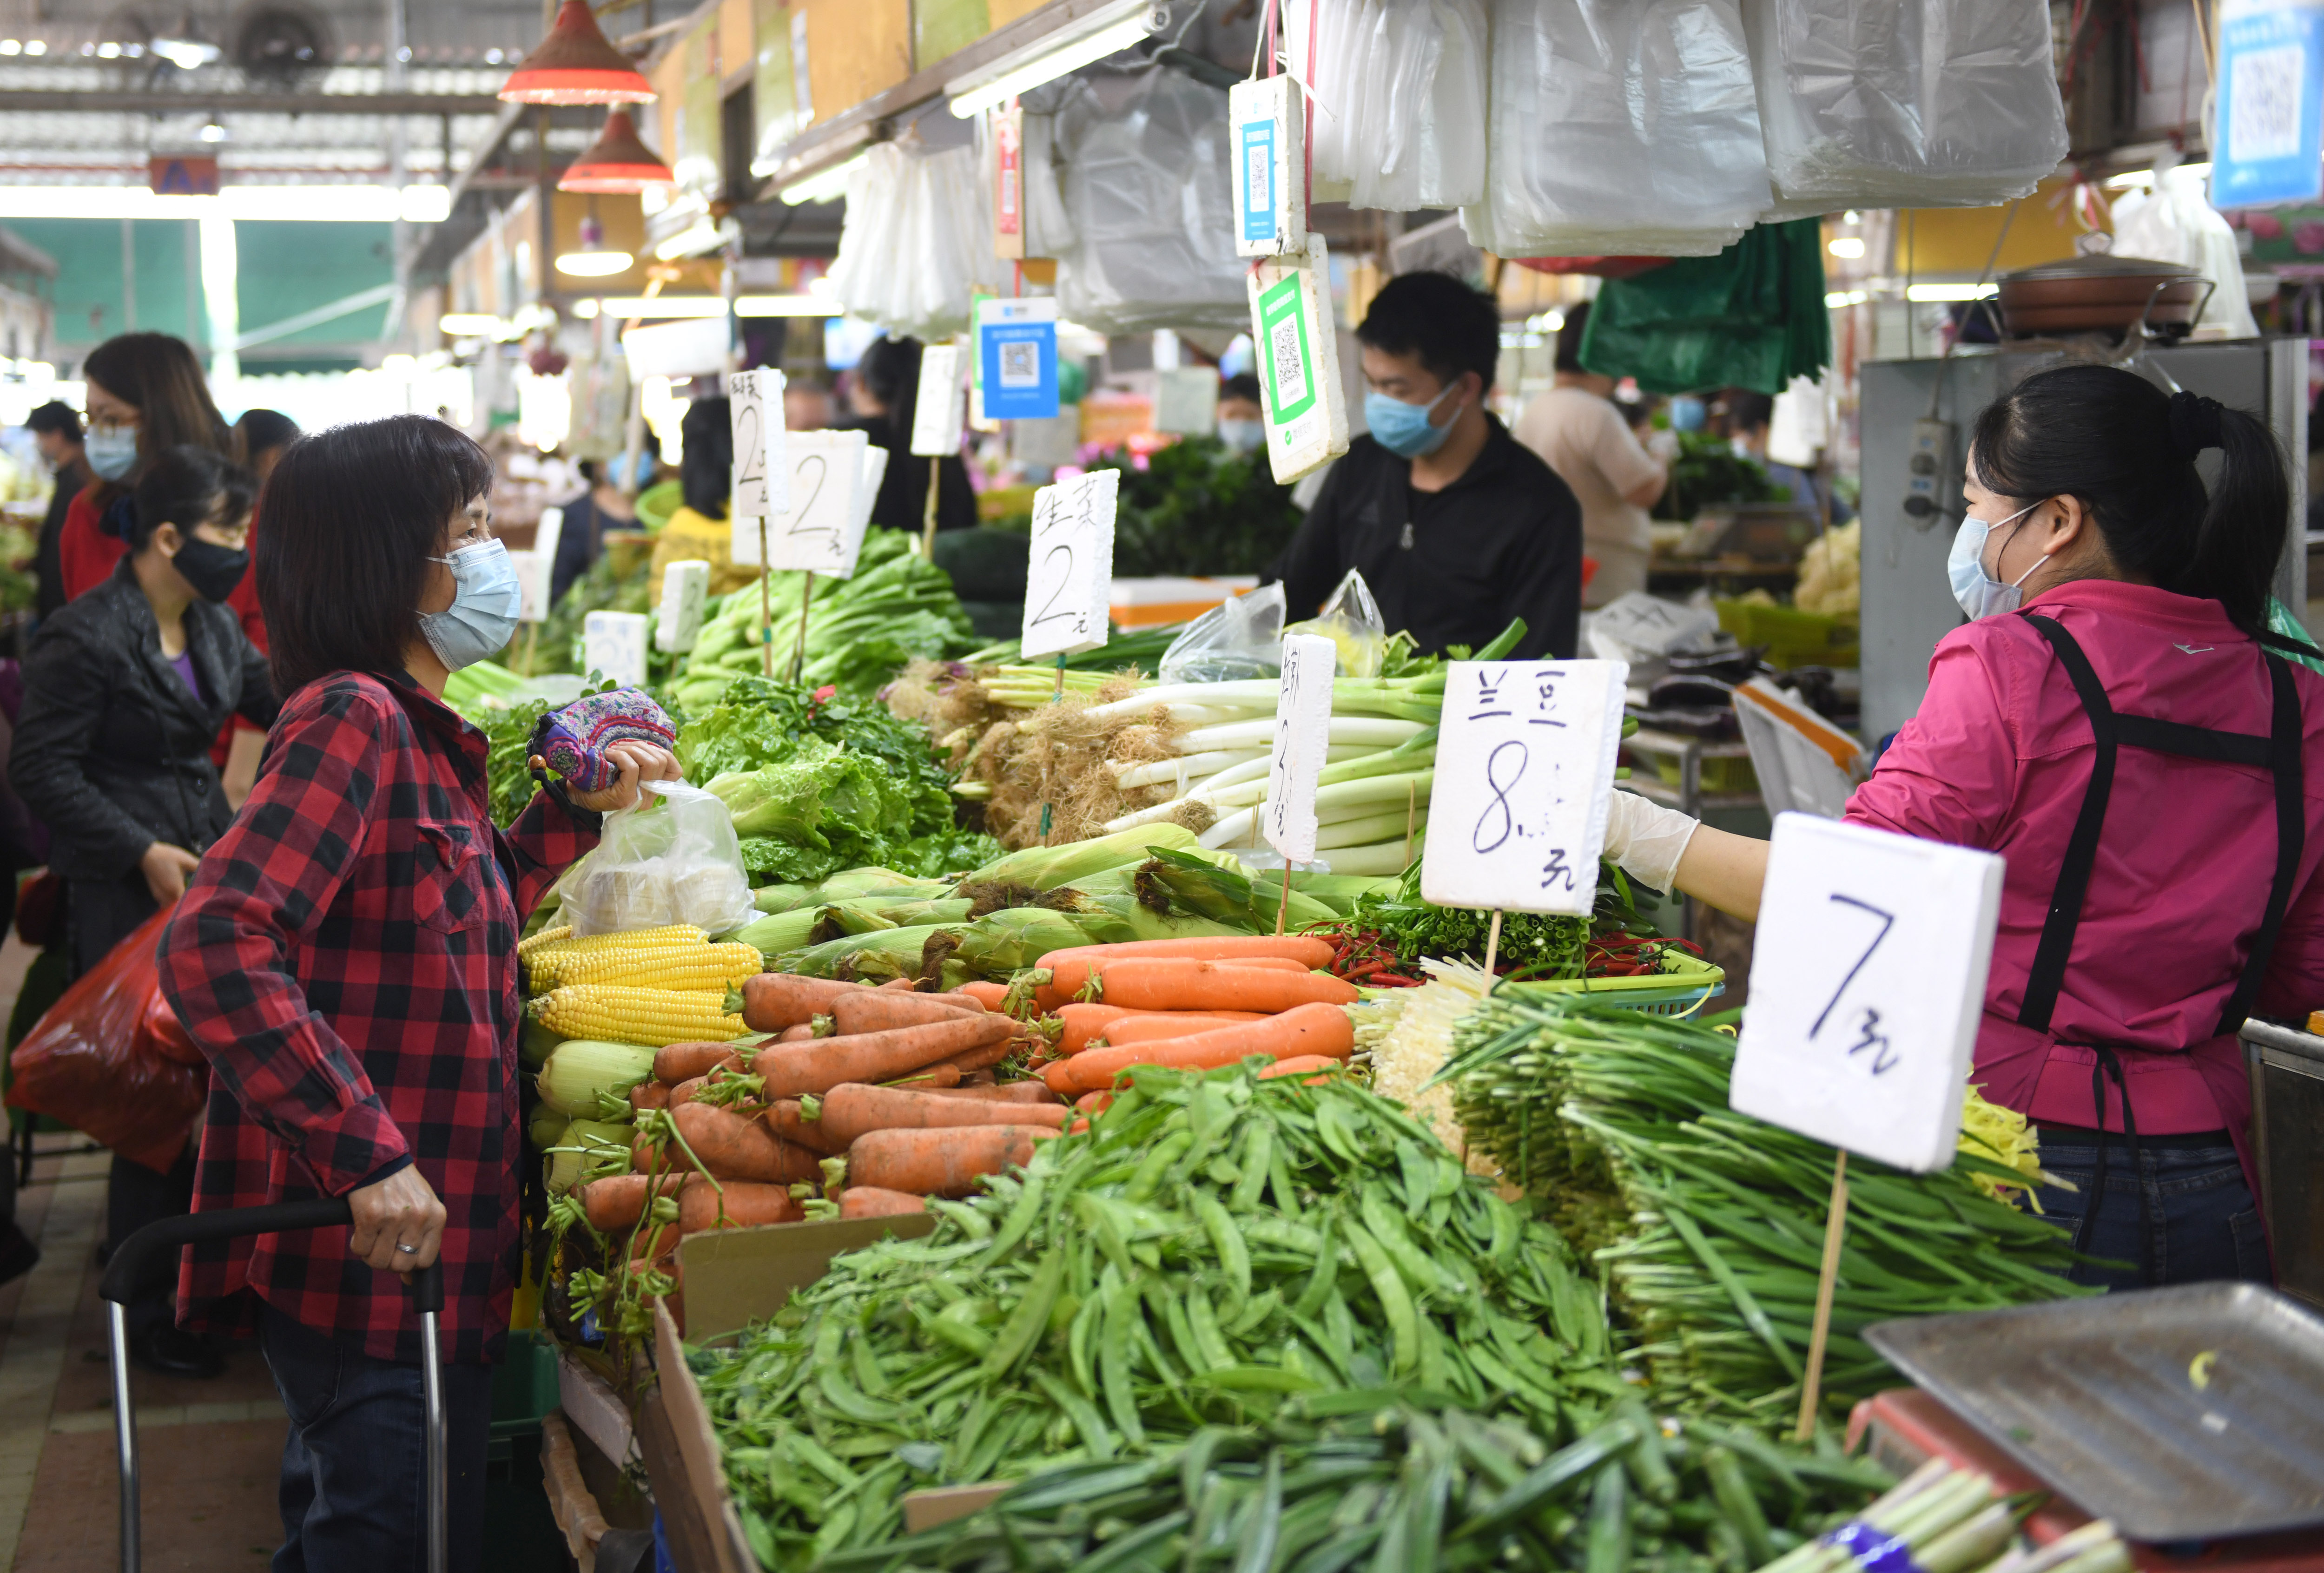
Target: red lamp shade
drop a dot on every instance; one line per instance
(576, 64)
(619, 165)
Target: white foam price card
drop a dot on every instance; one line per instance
(1303, 733)
(1306, 408)
(755, 403)
(1868, 982)
(1071, 571)
(823, 531)
(1524, 762)
(936, 417)
(685, 591)
(535, 572)
(1266, 122)
(614, 643)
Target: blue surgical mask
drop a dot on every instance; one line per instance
(485, 602)
(111, 451)
(1687, 413)
(1980, 594)
(1244, 436)
(1402, 428)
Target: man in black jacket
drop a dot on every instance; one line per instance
(1455, 527)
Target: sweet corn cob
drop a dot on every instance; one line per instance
(671, 966)
(549, 963)
(624, 1015)
(543, 940)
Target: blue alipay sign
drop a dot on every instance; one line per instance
(1017, 350)
(2268, 146)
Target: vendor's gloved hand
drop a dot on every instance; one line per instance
(1646, 840)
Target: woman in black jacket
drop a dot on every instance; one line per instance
(125, 692)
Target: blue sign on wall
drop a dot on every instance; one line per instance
(2268, 146)
(1017, 350)
(1256, 170)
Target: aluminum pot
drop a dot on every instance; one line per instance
(2101, 293)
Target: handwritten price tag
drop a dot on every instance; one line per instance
(1303, 733)
(685, 591)
(1071, 571)
(937, 417)
(755, 401)
(1525, 762)
(823, 529)
(1868, 982)
(614, 644)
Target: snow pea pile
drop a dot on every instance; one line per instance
(1361, 1479)
(1215, 1250)
(1710, 1222)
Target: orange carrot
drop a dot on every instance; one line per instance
(782, 1118)
(801, 1034)
(872, 1010)
(791, 1068)
(1094, 1103)
(870, 1201)
(684, 1091)
(1001, 1092)
(772, 1001)
(1176, 984)
(903, 986)
(1306, 1029)
(1079, 1023)
(984, 1078)
(853, 1110)
(991, 996)
(1300, 1065)
(940, 1163)
(744, 1204)
(1080, 1126)
(619, 1201)
(943, 1075)
(680, 1062)
(1135, 1028)
(735, 1147)
(1069, 968)
(985, 1058)
(647, 1095)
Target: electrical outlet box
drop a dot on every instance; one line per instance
(1925, 471)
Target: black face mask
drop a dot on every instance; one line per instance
(212, 570)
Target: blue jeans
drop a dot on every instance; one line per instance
(2204, 1224)
(353, 1464)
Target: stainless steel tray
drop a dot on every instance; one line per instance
(2105, 1401)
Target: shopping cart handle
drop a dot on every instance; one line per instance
(131, 1256)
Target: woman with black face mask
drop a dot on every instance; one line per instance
(124, 691)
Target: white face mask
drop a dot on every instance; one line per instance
(1980, 594)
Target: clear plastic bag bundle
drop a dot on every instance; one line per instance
(1910, 104)
(1620, 127)
(1351, 620)
(1400, 86)
(917, 240)
(1240, 638)
(2176, 223)
(676, 859)
(1142, 166)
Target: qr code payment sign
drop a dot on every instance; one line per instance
(1290, 369)
(2263, 115)
(1020, 365)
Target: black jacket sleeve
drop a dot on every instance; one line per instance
(260, 703)
(1312, 566)
(68, 677)
(1545, 582)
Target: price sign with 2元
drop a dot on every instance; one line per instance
(755, 407)
(1303, 734)
(821, 532)
(1070, 575)
(1867, 983)
(1525, 762)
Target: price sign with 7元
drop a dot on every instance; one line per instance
(1070, 575)
(1525, 760)
(1303, 734)
(1868, 982)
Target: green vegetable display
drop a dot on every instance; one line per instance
(1198, 507)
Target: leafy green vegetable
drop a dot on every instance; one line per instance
(1707, 470)
(508, 738)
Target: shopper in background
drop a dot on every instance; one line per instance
(607, 504)
(1456, 528)
(1241, 424)
(346, 960)
(1579, 433)
(260, 438)
(145, 395)
(1750, 417)
(124, 691)
(56, 428)
(807, 405)
(884, 394)
(2128, 952)
(256, 443)
(699, 529)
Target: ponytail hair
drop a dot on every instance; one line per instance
(2126, 450)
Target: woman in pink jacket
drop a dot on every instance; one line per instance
(2113, 722)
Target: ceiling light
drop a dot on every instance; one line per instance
(1847, 247)
(593, 261)
(576, 64)
(186, 53)
(424, 204)
(1091, 38)
(33, 46)
(585, 309)
(108, 50)
(211, 130)
(133, 51)
(9, 46)
(618, 165)
(703, 235)
(259, 203)
(824, 185)
(787, 306)
(468, 325)
(1840, 300)
(668, 306)
(1925, 293)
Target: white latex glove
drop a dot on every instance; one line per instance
(1646, 839)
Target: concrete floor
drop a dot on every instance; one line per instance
(210, 1450)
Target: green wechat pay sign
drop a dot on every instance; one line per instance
(1291, 379)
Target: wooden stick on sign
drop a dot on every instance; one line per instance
(928, 522)
(1283, 911)
(1834, 1223)
(766, 610)
(798, 651)
(1492, 947)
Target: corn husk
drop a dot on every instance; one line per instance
(590, 1150)
(874, 958)
(546, 1129)
(779, 934)
(1047, 868)
(581, 1070)
(535, 1043)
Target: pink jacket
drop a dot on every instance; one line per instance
(1998, 758)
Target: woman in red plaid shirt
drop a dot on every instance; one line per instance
(346, 958)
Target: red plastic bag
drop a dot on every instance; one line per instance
(95, 1062)
(1604, 267)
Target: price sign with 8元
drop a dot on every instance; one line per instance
(1303, 734)
(1868, 982)
(1525, 760)
(1070, 575)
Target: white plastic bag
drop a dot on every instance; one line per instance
(1906, 104)
(917, 240)
(675, 857)
(1239, 638)
(1400, 86)
(1351, 620)
(2177, 224)
(1620, 126)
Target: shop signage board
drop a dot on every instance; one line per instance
(1867, 983)
(1017, 355)
(755, 400)
(936, 416)
(1009, 182)
(614, 643)
(1525, 768)
(1071, 570)
(1298, 362)
(2268, 144)
(1303, 734)
(685, 592)
(1266, 126)
(821, 531)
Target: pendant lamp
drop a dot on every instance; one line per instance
(619, 165)
(576, 64)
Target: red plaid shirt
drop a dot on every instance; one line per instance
(346, 956)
